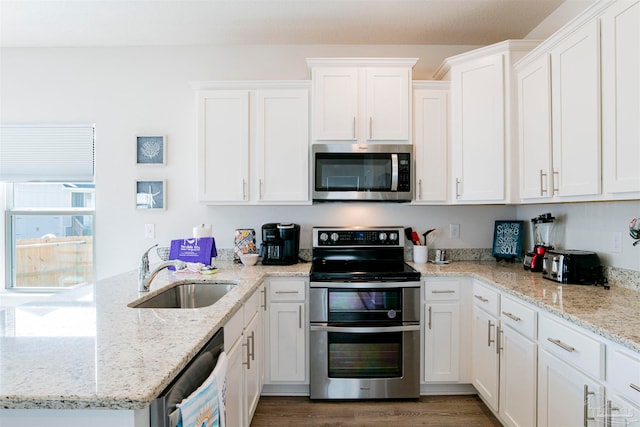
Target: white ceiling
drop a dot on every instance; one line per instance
(189, 22)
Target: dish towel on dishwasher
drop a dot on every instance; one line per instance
(205, 407)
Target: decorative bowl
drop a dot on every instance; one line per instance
(249, 259)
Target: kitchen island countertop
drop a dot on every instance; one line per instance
(86, 349)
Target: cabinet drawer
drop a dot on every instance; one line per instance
(624, 374)
(572, 346)
(233, 329)
(518, 317)
(487, 299)
(441, 290)
(251, 306)
(287, 290)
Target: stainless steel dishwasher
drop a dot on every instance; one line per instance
(163, 410)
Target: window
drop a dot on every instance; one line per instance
(49, 222)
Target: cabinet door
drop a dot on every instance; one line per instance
(518, 379)
(621, 412)
(441, 342)
(287, 342)
(430, 138)
(621, 97)
(234, 397)
(478, 129)
(281, 145)
(387, 104)
(335, 100)
(567, 397)
(485, 357)
(575, 65)
(534, 98)
(223, 145)
(252, 362)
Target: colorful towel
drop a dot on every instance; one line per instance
(205, 406)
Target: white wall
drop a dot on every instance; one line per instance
(137, 91)
(592, 227)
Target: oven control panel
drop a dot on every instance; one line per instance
(358, 236)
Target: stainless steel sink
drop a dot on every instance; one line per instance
(187, 295)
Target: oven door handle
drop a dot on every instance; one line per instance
(323, 327)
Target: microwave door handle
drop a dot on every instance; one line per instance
(394, 172)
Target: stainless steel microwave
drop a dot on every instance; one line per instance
(362, 172)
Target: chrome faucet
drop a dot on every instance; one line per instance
(145, 276)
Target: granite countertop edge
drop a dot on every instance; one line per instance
(509, 279)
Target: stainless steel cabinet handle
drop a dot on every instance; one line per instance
(286, 292)
(355, 136)
(300, 317)
(562, 345)
(248, 362)
(429, 317)
(370, 127)
(481, 298)
(419, 189)
(635, 387)
(556, 179)
(512, 316)
(489, 340)
(444, 291)
(253, 345)
(458, 182)
(264, 299)
(244, 189)
(542, 179)
(500, 338)
(587, 393)
(260, 188)
(609, 409)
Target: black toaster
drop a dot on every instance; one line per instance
(572, 267)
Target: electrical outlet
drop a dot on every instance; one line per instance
(616, 242)
(454, 231)
(150, 231)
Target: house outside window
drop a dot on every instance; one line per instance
(49, 221)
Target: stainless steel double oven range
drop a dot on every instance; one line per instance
(364, 308)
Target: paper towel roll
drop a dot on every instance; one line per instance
(202, 231)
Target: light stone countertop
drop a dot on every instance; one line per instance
(86, 348)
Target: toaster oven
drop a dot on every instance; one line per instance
(572, 267)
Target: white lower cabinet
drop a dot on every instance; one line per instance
(485, 362)
(441, 342)
(566, 396)
(243, 345)
(286, 358)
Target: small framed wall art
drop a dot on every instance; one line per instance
(151, 150)
(507, 240)
(151, 194)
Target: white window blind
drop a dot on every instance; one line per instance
(53, 153)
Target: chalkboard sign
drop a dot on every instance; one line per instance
(507, 240)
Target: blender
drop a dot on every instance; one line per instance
(541, 230)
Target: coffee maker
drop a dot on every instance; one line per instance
(280, 244)
(541, 231)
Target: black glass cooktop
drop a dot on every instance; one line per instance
(362, 271)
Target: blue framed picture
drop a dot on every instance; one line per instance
(507, 240)
(151, 150)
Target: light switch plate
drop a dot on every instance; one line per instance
(150, 231)
(454, 231)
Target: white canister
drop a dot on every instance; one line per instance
(420, 254)
(202, 230)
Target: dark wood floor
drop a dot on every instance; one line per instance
(467, 411)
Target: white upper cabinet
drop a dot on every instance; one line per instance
(620, 29)
(483, 122)
(361, 100)
(534, 108)
(431, 140)
(246, 137)
(282, 138)
(575, 94)
(223, 145)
